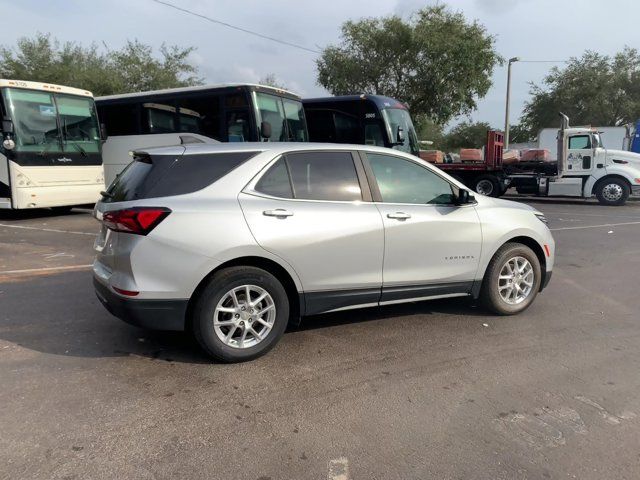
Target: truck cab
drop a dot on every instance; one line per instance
(586, 168)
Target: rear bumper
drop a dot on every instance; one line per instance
(635, 190)
(149, 314)
(545, 280)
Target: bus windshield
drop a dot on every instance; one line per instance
(397, 117)
(52, 122)
(285, 115)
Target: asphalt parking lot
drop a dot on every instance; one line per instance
(427, 390)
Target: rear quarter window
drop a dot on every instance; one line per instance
(151, 176)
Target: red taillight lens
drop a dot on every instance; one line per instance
(139, 220)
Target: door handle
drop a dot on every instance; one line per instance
(398, 215)
(278, 212)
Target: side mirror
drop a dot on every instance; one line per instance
(464, 197)
(7, 126)
(265, 130)
(400, 135)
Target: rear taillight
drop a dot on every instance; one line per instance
(139, 220)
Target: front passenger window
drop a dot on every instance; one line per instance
(403, 181)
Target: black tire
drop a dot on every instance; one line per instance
(487, 185)
(220, 284)
(489, 294)
(612, 191)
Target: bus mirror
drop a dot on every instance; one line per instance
(7, 126)
(400, 135)
(265, 130)
(103, 132)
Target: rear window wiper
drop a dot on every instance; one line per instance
(106, 194)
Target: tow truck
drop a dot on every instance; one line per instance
(584, 168)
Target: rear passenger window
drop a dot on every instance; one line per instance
(166, 175)
(276, 181)
(324, 176)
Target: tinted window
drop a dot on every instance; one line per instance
(403, 181)
(238, 126)
(165, 175)
(324, 176)
(200, 114)
(373, 135)
(579, 142)
(119, 119)
(276, 181)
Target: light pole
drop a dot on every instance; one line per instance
(506, 113)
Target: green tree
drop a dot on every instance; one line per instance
(437, 62)
(130, 69)
(428, 130)
(593, 89)
(466, 135)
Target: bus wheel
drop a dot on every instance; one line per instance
(612, 191)
(487, 185)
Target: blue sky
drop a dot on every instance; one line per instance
(530, 29)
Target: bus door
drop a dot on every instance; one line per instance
(237, 119)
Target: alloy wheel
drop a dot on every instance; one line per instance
(244, 316)
(516, 280)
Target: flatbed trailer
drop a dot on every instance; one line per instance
(488, 176)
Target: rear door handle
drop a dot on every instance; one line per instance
(278, 212)
(398, 215)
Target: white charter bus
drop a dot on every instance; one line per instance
(209, 113)
(50, 153)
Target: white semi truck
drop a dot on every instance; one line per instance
(584, 168)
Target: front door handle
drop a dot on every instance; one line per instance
(398, 215)
(278, 212)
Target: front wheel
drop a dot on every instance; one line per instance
(512, 280)
(241, 314)
(612, 191)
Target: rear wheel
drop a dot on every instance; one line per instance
(512, 280)
(487, 185)
(241, 314)
(612, 191)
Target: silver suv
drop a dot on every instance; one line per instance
(233, 241)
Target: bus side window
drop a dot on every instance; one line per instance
(238, 126)
(200, 114)
(121, 119)
(346, 128)
(373, 135)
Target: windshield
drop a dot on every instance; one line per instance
(285, 115)
(51, 122)
(397, 117)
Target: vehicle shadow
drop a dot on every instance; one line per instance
(68, 320)
(37, 213)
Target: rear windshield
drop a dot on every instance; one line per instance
(167, 175)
